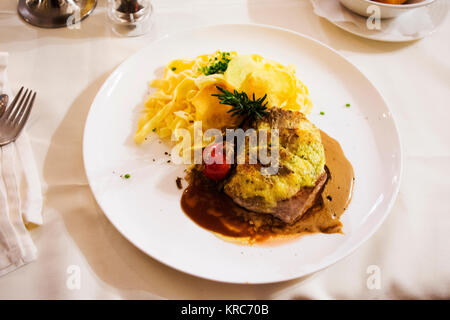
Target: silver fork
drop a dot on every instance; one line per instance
(15, 116)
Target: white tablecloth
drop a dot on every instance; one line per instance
(67, 67)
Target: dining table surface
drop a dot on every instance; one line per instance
(67, 66)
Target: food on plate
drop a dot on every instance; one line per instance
(269, 172)
(288, 194)
(216, 171)
(207, 205)
(185, 93)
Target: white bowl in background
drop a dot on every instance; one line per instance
(386, 10)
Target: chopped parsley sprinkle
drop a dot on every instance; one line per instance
(173, 68)
(154, 130)
(217, 65)
(127, 176)
(348, 105)
(322, 113)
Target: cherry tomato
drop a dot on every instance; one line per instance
(215, 171)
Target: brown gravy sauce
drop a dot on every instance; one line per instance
(216, 212)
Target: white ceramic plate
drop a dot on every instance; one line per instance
(146, 207)
(409, 26)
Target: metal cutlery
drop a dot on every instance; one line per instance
(14, 117)
(3, 103)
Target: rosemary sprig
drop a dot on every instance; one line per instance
(242, 105)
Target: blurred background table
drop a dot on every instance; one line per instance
(67, 68)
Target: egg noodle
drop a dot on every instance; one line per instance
(184, 95)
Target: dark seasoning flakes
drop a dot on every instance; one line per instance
(178, 182)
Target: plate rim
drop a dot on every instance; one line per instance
(321, 266)
(341, 25)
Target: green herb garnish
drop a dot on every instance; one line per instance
(348, 105)
(173, 68)
(217, 65)
(242, 105)
(322, 113)
(127, 176)
(154, 130)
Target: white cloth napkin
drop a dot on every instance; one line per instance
(17, 165)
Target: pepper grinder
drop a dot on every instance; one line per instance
(55, 13)
(130, 18)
